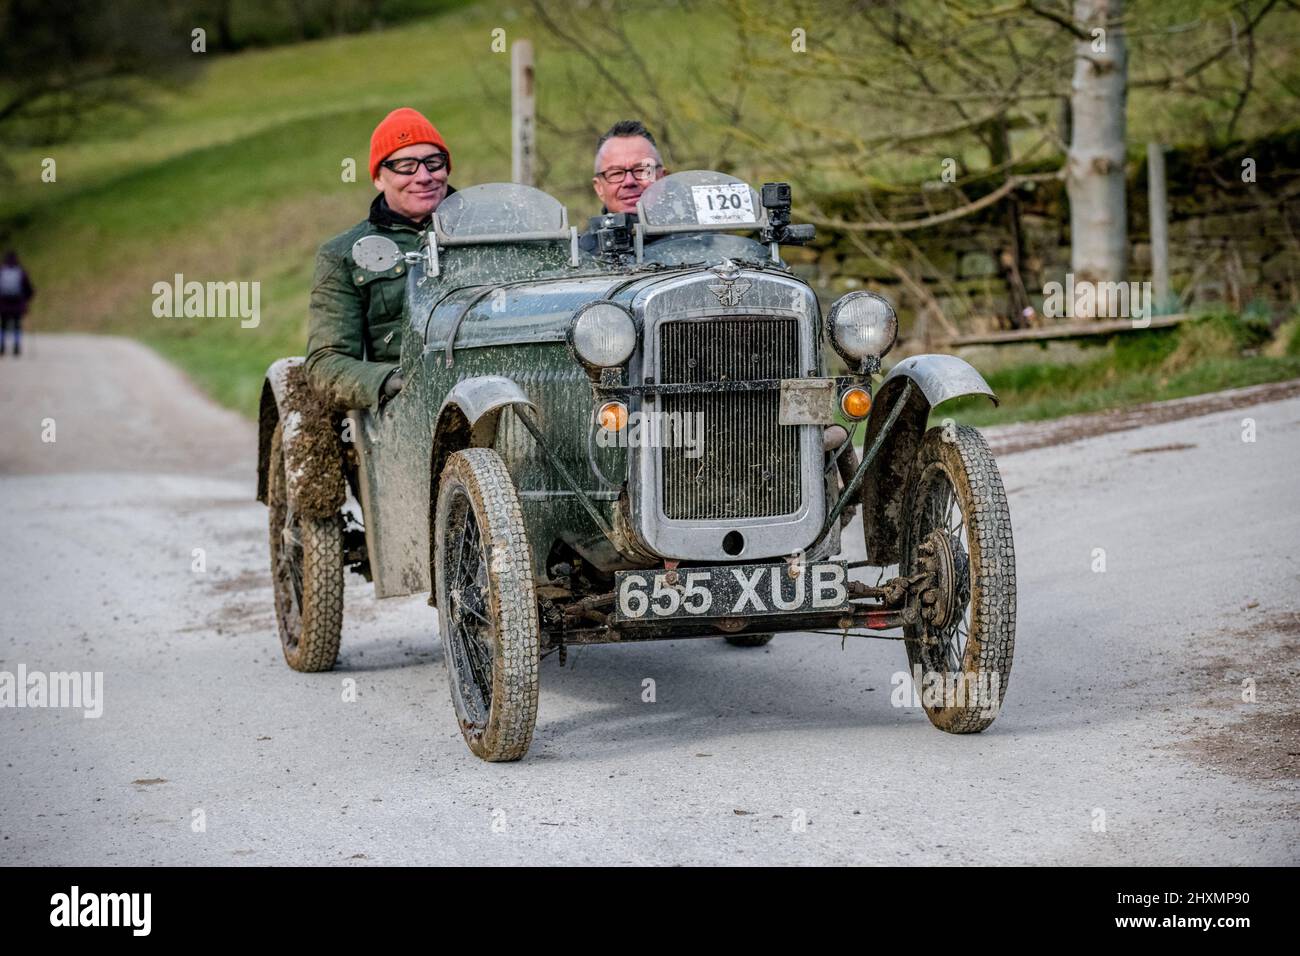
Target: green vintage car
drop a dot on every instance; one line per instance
(655, 439)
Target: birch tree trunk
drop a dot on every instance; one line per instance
(1095, 167)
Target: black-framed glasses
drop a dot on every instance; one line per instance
(643, 172)
(409, 164)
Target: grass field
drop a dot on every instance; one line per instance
(239, 177)
(1206, 355)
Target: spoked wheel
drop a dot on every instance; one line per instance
(958, 532)
(306, 575)
(487, 609)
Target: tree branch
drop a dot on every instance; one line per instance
(939, 218)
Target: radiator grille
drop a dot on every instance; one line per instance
(750, 464)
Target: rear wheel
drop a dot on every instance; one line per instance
(306, 574)
(487, 608)
(958, 531)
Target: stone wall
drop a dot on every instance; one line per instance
(1231, 241)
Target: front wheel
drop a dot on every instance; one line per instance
(487, 609)
(957, 531)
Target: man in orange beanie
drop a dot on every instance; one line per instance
(354, 335)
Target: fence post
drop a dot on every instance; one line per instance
(523, 127)
(1157, 198)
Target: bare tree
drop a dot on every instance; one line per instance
(1096, 162)
(62, 59)
(898, 117)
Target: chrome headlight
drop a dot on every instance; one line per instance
(602, 335)
(862, 324)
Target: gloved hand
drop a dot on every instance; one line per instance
(392, 385)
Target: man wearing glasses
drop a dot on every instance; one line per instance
(627, 161)
(354, 334)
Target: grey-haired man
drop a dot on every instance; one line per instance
(627, 162)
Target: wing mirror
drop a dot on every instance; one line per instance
(379, 253)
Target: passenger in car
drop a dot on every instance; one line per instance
(627, 161)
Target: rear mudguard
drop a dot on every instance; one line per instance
(313, 454)
(936, 379)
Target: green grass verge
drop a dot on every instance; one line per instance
(1205, 355)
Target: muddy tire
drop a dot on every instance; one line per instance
(487, 609)
(956, 520)
(749, 640)
(306, 575)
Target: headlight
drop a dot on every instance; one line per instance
(862, 324)
(602, 335)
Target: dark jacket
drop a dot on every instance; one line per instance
(17, 304)
(354, 335)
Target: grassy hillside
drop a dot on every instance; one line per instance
(238, 177)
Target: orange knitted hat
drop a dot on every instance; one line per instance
(402, 127)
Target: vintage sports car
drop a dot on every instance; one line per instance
(653, 441)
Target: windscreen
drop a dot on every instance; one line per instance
(499, 209)
(701, 197)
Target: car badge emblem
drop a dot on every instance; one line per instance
(730, 287)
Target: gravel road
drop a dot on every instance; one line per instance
(1124, 738)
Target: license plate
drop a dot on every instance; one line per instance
(733, 591)
(806, 401)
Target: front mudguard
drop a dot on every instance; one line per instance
(467, 418)
(313, 451)
(469, 414)
(936, 379)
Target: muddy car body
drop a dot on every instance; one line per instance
(645, 443)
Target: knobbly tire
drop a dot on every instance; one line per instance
(306, 575)
(957, 526)
(749, 640)
(487, 609)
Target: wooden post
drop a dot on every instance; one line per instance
(1157, 198)
(523, 127)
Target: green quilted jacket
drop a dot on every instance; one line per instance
(354, 336)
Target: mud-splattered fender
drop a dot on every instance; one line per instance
(312, 451)
(467, 418)
(937, 379)
(482, 396)
(468, 415)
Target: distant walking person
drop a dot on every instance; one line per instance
(16, 291)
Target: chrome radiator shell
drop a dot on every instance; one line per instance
(777, 513)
